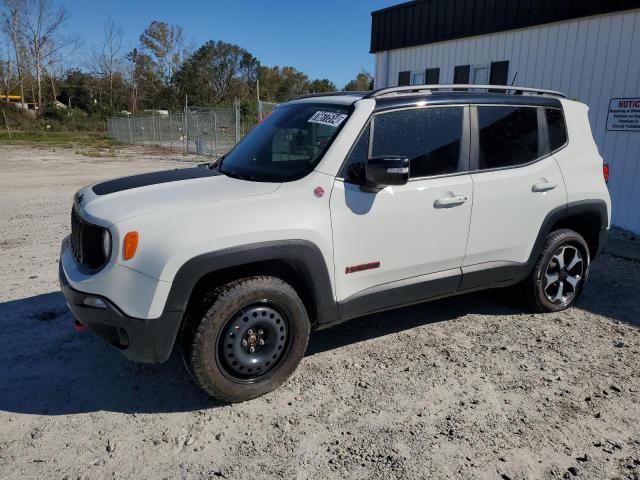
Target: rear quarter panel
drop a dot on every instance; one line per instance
(579, 161)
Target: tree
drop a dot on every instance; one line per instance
(108, 60)
(12, 26)
(322, 85)
(42, 34)
(280, 84)
(79, 88)
(271, 84)
(145, 83)
(163, 42)
(8, 76)
(363, 81)
(53, 71)
(156, 74)
(217, 73)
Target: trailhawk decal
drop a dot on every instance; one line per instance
(362, 267)
(330, 119)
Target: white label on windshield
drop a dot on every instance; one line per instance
(331, 119)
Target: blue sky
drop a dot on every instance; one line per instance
(324, 39)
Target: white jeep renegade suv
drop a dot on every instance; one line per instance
(334, 207)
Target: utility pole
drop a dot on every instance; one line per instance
(258, 98)
(236, 104)
(186, 123)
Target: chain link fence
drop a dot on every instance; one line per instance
(265, 108)
(202, 131)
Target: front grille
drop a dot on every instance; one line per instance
(86, 242)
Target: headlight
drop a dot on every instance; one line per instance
(106, 244)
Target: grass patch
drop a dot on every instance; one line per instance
(95, 140)
(102, 152)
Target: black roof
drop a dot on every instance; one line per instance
(428, 21)
(462, 98)
(447, 97)
(340, 93)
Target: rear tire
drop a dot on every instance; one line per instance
(560, 274)
(247, 340)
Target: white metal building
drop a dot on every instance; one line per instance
(588, 49)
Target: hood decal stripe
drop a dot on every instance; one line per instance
(153, 178)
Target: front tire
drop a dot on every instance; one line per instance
(249, 340)
(560, 274)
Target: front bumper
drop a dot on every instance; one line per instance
(140, 340)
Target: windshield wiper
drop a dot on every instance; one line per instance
(217, 164)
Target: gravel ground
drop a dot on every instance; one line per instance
(627, 236)
(468, 387)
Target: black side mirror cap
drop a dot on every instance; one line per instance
(387, 171)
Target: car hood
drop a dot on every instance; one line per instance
(116, 200)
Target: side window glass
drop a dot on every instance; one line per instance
(430, 138)
(556, 127)
(508, 136)
(354, 167)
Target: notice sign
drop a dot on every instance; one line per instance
(624, 115)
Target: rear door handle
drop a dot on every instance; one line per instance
(454, 201)
(543, 186)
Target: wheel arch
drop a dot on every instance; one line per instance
(298, 262)
(589, 218)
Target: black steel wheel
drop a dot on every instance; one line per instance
(245, 338)
(253, 341)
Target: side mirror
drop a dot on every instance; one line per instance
(385, 171)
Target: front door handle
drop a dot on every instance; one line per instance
(453, 201)
(543, 186)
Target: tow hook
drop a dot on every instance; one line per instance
(79, 326)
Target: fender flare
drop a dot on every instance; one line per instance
(599, 207)
(304, 255)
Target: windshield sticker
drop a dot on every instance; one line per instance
(331, 119)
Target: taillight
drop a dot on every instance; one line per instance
(605, 172)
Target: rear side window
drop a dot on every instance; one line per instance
(556, 127)
(508, 136)
(429, 137)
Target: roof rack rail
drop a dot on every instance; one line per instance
(334, 94)
(517, 90)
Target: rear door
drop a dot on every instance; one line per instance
(411, 233)
(516, 183)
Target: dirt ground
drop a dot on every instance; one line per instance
(469, 387)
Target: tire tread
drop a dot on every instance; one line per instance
(194, 333)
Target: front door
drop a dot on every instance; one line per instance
(412, 235)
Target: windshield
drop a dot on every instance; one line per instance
(287, 144)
